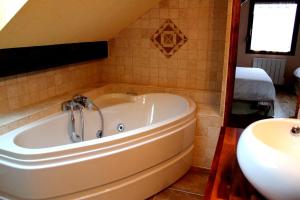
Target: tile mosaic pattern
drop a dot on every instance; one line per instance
(168, 38)
(198, 64)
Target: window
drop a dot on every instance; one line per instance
(273, 27)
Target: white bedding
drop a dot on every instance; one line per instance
(253, 84)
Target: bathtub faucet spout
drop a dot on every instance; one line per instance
(73, 106)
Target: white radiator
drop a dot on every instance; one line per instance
(275, 68)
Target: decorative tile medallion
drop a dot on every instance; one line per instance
(168, 38)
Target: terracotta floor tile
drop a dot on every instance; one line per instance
(194, 181)
(170, 194)
(190, 187)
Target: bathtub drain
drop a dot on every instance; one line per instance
(120, 127)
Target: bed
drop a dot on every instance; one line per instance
(254, 92)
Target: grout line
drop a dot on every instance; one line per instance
(201, 168)
(184, 191)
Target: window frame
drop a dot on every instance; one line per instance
(250, 25)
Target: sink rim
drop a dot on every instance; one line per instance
(273, 172)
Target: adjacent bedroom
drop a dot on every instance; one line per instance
(268, 62)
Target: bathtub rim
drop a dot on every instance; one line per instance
(58, 160)
(27, 155)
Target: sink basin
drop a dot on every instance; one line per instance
(269, 156)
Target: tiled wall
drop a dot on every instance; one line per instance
(198, 64)
(23, 90)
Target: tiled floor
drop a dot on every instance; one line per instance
(190, 187)
(285, 104)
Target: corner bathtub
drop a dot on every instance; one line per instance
(39, 161)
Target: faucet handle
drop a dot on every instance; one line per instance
(84, 101)
(71, 105)
(79, 98)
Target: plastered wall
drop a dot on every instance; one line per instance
(46, 22)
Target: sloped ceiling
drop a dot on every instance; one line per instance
(8, 9)
(46, 22)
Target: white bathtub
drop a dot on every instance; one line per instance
(39, 161)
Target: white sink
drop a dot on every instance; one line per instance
(269, 157)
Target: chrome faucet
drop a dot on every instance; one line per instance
(78, 103)
(295, 130)
(74, 106)
(89, 104)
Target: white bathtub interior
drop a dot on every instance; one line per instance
(132, 111)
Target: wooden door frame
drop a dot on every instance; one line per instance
(232, 60)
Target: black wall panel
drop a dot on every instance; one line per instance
(27, 59)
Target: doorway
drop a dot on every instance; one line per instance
(240, 111)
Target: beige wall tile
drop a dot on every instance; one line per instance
(27, 89)
(196, 64)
